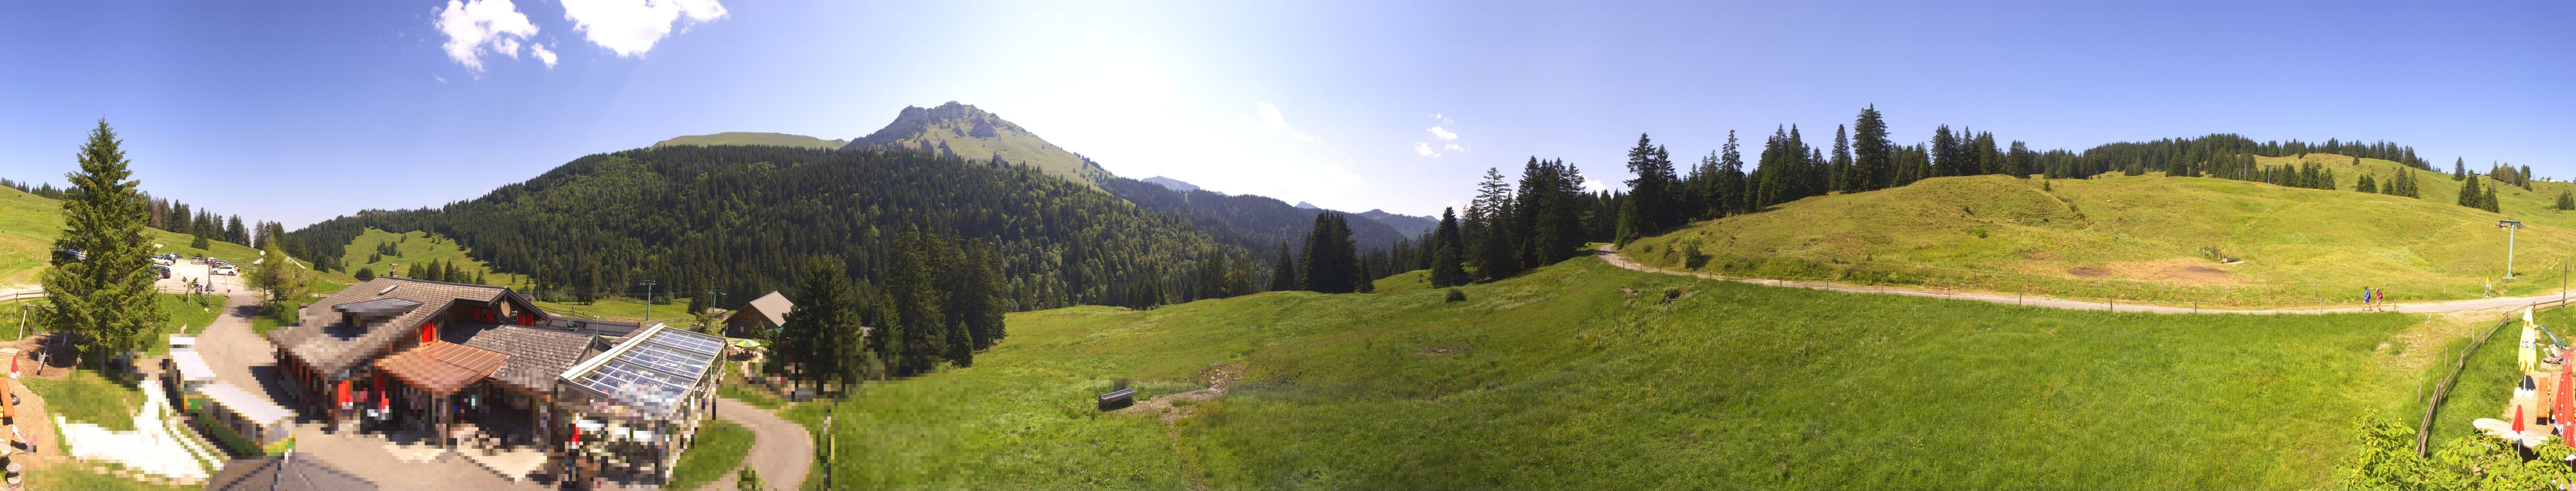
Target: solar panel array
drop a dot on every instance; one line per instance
(653, 373)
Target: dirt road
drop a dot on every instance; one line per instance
(1613, 257)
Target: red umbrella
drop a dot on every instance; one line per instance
(344, 393)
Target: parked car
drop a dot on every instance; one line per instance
(227, 271)
(164, 270)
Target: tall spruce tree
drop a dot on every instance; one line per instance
(1447, 268)
(920, 320)
(1283, 272)
(1331, 260)
(1726, 189)
(1653, 187)
(104, 295)
(816, 346)
(2470, 196)
(1871, 151)
(1492, 241)
(1842, 163)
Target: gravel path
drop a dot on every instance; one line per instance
(780, 450)
(1613, 257)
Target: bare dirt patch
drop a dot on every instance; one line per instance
(1173, 407)
(2087, 272)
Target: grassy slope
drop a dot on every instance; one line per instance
(754, 138)
(1017, 146)
(621, 309)
(1548, 381)
(30, 223)
(719, 448)
(2156, 228)
(417, 248)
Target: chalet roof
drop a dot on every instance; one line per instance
(285, 474)
(442, 368)
(326, 341)
(257, 409)
(536, 354)
(773, 307)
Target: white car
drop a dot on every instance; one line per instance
(227, 271)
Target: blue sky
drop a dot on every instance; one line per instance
(301, 111)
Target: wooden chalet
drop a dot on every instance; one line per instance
(760, 317)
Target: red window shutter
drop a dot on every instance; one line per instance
(429, 331)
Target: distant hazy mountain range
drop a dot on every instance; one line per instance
(1173, 184)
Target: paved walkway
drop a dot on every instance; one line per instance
(780, 450)
(1606, 254)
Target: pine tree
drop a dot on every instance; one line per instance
(1726, 189)
(104, 295)
(1283, 273)
(2460, 169)
(2365, 185)
(1653, 186)
(2469, 195)
(1870, 151)
(2566, 201)
(1447, 268)
(1842, 163)
(2488, 203)
(1330, 257)
(816, 342)
(912, 281)
(1493, 242)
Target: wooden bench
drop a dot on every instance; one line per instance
(1114, 400)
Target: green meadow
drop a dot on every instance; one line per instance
(1557, 379)
(2148, 238)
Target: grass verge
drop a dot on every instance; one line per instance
(719, 449)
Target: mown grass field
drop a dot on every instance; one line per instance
(1554, 380)
(2148, 238)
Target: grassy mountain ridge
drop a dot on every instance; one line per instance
(754, 138)
(2164, 235)
(964, 131)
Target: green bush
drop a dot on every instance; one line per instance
(1457, 296)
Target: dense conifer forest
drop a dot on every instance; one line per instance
(748, 219)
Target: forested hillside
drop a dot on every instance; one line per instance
(1255, 223)
(745, 219)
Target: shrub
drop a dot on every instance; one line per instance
(365, 274)
(1457, 296)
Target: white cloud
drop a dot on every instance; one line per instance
(1443, 133)
(473, 27)
(1302, 137)
(1425, 149)
(440, 79)
(1269, 114)
(1595, 185)
(543, 54)
(1092, 35)
(630, 27)
(1453, 146)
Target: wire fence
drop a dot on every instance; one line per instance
(2442, 391)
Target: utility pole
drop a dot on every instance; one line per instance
(648, 301)
(2509, 226)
